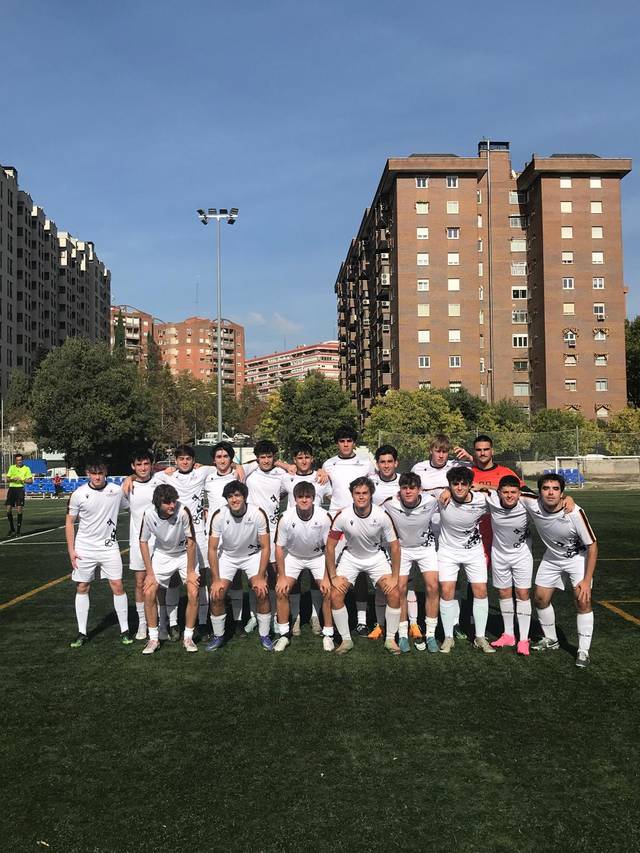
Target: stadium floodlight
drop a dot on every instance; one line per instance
(230, 218)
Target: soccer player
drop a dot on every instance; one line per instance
(511, 561)
(342, 469)
(239, 541)
(300, 544)
(365, 528)
(18, 476)
(411, 512)
(95, 506)
(169, 524)
(385, 481)
(461, 546)
(570, 549)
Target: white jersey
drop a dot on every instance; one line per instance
(303, 538)
(171, 533)
(97, 511)
(413, 524)
(364, 537)
(214, 486)
(385, 489)
(289, 481)
(140, 499)
(342, 472)
(190, 489)
(265, 491)
(434, 479)
(459, 525)
(564, 534)
(238, 536)
(511, 532)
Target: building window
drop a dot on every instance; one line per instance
(568, 283)
(455, 386)
(570, 360)
(596, 207)
(599, 335)
(453, 284)
(565, 183)
(569, 336)
(480, 269)
(480, 293)
(453, 233)
(482, 366)
(455, 361)
(518, 267)
(516, 197)
(570, 384)
(519, 317)
(600, 359)
(422, 207)
(602, 412)
(520, 389)
(518, 292)
(422, 233)
(424, 361)
(424, 336)
(423, 284)
(453, 259)
(568, 307)
(598, 283)
(424, 386)
(479, 245)
(422, 183)
(566, 207)
(518, 244)
(518, 221)
(602, 384)
(597, 232)
(452, 182)
(479, 196)
(595, 183)
(567, 257)
(454, 336)
(481, 317)
(453, 310)
(453, 207)
(597, 257)
(566, 232)
(479, 220)
(519, 341)
(598, 310)
(520, 365)
(423, 309)
(423, 259)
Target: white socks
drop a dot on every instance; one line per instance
(412, 606)
(361, 607)
(403, 629)
(327, 632)
(431, 624)
(283, 628)
(264, 623)
(172, 599)
(523, 610)
(585, 630)
(547, 619)
(506, 609)
(217, 623)
(450, 615)
(142, 619)
(341, 621)
(381, 607)
(120, 605)
(154, 633)
(481, 614)
(82, 612)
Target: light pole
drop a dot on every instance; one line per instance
(230, 217)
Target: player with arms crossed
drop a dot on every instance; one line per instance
(170, 526)
(365, 528)
(239, 541)
(570, 548)
(95, 506)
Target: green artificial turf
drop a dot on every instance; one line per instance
(106, 750)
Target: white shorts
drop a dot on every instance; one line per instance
(350, 567)
(473, 562)
(108, 560)
(202, 548)
(515, 572)
(294, 565)
(166, 565)
(550, 573)
(228, 566)
(135, 557)
(425, 557)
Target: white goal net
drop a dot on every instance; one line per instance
(595, 469)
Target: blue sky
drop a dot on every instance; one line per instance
(123, 118)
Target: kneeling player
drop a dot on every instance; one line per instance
(239, 541)
(170, 523)
(300, 544)
(365, 528)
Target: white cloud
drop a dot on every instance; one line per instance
(255, 319)
(281, 324)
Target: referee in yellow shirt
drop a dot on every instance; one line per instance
(18, 476)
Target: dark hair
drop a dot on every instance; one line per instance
(302, 447)
(223, 445)
(409, 478)
(18, 456)
(184, 450)
(440, 442)
(303, 489)
(460, 474)
(362, 481)
(509, 480)
(551, 478)
(140, 454)
(164, 494)
(483, 438)
(96, 465)
(345, 432)
(386, 450)
(235, 487)
(265, 446)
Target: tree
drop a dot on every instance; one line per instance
(632, 345)
(623, 433)
(470, 407)
(86, 402)
(561, 433)
(17, 405)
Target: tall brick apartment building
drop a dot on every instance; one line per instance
(466, 273)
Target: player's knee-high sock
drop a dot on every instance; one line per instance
(236, 596)
(392, 617)
(11, 527)
(316, 603)
(341, 621)
(264, 623)
(19, 522)
(523, 610)
(120, 605)
(217, 623)
(481, 614)
(412, 606)
(585, 631)
(82, 611)
(506, 609)
(547, 619)
(361, 608)
(294, 604)
(142, 619)
(172, 599)
(431, 623)
(450, 615)
(381, 607)
(203, 605)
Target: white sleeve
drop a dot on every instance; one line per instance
(263, 523)
(583, 528)
(389, 529)
(282, 531)
(249, 468)
(145, 533)
(74, 505)
(215, 525)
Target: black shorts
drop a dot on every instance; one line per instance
(15, 496)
